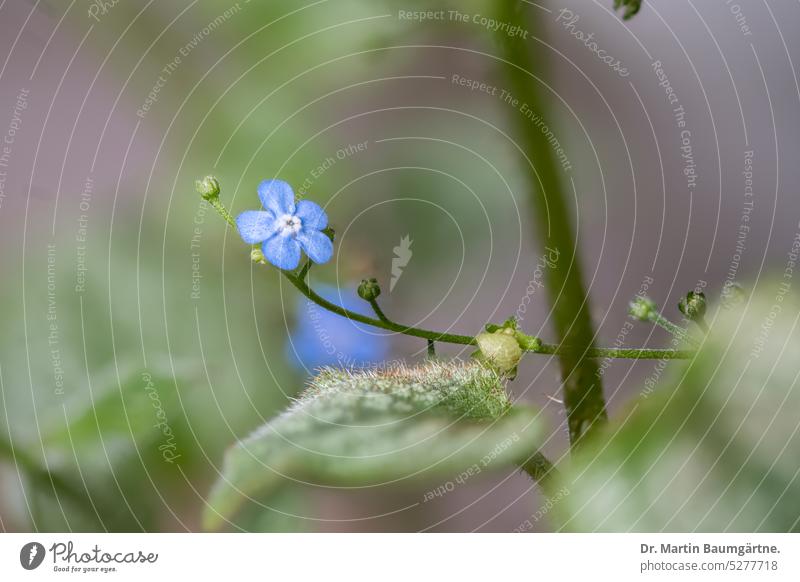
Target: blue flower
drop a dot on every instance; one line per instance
(283, 227)
(323, 338)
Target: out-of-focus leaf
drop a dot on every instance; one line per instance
(282, 512)
(716, 448)
(75, 373)
(369, 428)
(129, 413)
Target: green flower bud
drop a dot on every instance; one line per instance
(257, 256)
(693, 306)
(500, 350)
(369, 290)
(208, 187)
(643, 308)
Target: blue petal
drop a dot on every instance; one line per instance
(317, 246)
(312, 215)
(282, 251)
(255, 226)
(276, 196)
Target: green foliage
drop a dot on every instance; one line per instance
(94, 413)
(714, 448)
(368, 428)
(85, 469)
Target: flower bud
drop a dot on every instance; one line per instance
(257, 256)
(369, 290)
(500, 349)
(643, 308)
(208, 187)
(693, 306)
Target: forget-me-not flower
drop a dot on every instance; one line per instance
(283, 227)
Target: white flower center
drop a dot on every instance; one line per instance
(289, 224)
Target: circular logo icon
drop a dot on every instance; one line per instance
(31, 555)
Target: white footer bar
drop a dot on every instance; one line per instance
(406, 557)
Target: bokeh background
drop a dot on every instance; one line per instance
(122, 289)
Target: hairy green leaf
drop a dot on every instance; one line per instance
(371, 428)
(714, 448)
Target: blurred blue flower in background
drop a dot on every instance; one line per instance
(322, 338)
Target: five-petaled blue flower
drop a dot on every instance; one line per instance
(283, 227)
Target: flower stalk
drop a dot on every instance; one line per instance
(645, 309)
(298, 280)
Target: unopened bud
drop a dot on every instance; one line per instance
(693, 306)
(643, 308)
(257, 256)
(208, 187)
(369, 290)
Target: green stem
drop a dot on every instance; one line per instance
(219, 207)
(385, 323)
(378, 311)
(304, 270)
(582, 386)
(298, 280)
(540, 468)
(677, 331)
(617, 353)
(431, 349)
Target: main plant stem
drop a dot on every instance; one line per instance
(582, 387)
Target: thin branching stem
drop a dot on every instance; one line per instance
(677, 331)
(297, 279)
(379, 312)
(303, 272)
